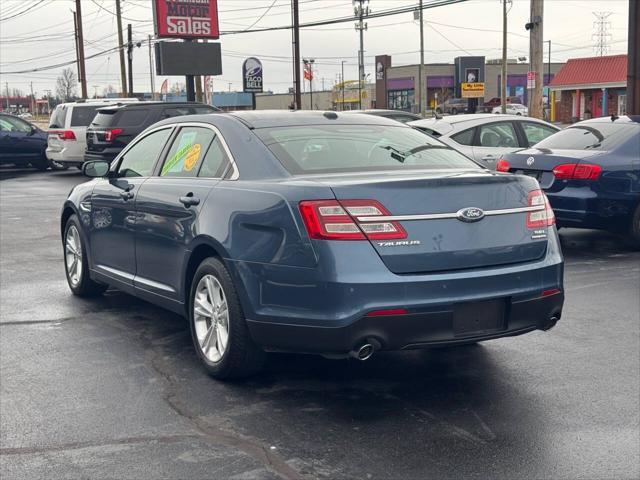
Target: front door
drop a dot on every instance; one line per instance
(113, 208)
(169, 206)
(596, 107)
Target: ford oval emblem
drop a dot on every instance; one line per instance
(530, 161)
(470, 214)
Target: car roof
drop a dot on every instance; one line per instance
(282, 118)
(450, 123)
(382, 111)
(118, 106)
(611, 119)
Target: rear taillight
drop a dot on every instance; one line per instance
(111, 134)
(502, 165)
(64, 134)
(543, 217)
(577, 171)
(336, 220)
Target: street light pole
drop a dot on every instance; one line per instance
(420, 109)
(360, 11)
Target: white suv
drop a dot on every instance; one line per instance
(66, 141)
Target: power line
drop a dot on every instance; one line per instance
(261, 16)
(26, 10)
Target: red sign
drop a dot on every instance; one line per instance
(186, 18)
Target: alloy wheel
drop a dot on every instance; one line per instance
(73, 255)
(211, 318)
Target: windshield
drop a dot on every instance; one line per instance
(593, 136)
(355, 148)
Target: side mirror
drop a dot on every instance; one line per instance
(96, 169)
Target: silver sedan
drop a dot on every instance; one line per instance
(485, 137)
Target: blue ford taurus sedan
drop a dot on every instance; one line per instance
(591, 173)
(314, 232)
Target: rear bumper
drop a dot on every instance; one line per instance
(584, 208)
(419, 329)
(305, 310)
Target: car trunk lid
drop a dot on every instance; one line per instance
(428, 206)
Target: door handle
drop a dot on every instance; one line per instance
(126, 195)
(189, 200)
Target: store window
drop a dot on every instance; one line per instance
(400, 100)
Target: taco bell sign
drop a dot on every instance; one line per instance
(186, 18)
(252, 75)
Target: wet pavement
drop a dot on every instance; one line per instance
(111, 387)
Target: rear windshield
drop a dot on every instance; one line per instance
(82, 116)
(354, 148)
(58, 117)
(103, 118)
(595, 136)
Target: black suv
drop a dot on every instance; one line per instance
(115, 126)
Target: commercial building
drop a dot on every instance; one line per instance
(590, 87)
(396, 87)
(322, 100)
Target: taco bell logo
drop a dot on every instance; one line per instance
(252, 75)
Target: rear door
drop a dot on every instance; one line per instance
(169, 206)
(113, 208)
(494, 139)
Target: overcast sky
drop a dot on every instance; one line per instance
(472, 27)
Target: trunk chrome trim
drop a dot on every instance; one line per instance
(440, 216)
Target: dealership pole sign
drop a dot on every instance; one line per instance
(187, 19)
(252, 75)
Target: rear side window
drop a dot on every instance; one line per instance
(104, 118)
(536, 132)
(214, 161)
(594, 136)
(465, 137)
(131, 117)
(187, 151)
(58, 117)
(358, 148)
(81, 116)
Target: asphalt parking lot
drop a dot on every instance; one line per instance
(111, 388)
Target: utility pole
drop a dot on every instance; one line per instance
(422, 105)
(33, 99)
(83, 76)
(360, 11)
(342, 109)
(75, 37)
(297, 98)
(198, 82)
(633, 62)
(536, 57)
(549, 80)
(123, 73)
(130, 59)
(6, 84)
(151, 76)
(503, 79)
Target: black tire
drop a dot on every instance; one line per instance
(241, 357)
(454, 111)
(84, 287)
(634, 229)
(41, 164)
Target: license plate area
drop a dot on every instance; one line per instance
(477, 318)
(537, 174)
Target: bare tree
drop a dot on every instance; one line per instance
(67, 85)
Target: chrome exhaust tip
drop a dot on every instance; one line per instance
(363, 353)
